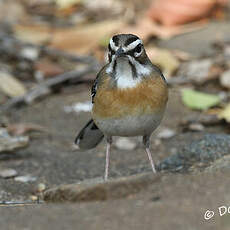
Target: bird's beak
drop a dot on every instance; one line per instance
(120, 52)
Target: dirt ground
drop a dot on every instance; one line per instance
(175, 201)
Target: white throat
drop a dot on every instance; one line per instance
(124, 75)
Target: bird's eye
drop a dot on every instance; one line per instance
(138, 48)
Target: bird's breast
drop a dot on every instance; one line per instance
(148, 97)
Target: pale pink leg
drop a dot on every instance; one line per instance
(146, 142)
(151, 160)
(109, 142)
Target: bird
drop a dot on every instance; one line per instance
(129, 97)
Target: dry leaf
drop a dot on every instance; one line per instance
(23, 128)
(164, 59)
(176, 12)
(225, 113)
(84, 39)
(11, 86)
(36, 34)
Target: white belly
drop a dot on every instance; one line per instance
(129, 126)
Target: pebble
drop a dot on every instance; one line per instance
(166, 133)
(41, 187)
(124, 143)
(30, 53)
(8, 173)
(33, 198)
(198, 70)
(196, 127)
(10, 143)
(225, 79)
(25, 179)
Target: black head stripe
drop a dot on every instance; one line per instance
(116, 40)
(131, 40)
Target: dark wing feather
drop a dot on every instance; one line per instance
(94, 89)
(89, 137)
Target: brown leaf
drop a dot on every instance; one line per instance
(23, 128)
(177, 12)
(84, 39)
(36, 34)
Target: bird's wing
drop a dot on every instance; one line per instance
(97, 82)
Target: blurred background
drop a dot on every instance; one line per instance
(50, 53)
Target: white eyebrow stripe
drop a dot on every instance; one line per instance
(133, 45)
(112, 45)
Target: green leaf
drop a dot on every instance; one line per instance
(198, 100)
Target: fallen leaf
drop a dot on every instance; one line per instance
(23, 128)
(11, 86)
(36, 34)
(225, 113)
(198, 100)
(164, 59)
(175, 12)
(84, 39)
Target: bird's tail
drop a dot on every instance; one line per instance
(89, 137)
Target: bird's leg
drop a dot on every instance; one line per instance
(109, 142)
(146, 142)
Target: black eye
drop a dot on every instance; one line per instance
(138, 48)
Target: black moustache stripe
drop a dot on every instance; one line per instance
(134, 71)
(114, 69)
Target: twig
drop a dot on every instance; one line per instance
(19, 203)
(45, 87)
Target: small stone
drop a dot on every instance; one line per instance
(8, 173)
(198, 70)
(41, 187)
(225, 79)
(25, 179)
(196, 127)
(206, 149)
(166, 133)
(30, 53)
(124, 143)
(33, 198)
(157, 142)
(10, 143)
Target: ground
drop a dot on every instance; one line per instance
(172, 201)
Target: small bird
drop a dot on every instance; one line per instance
(129, 97)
